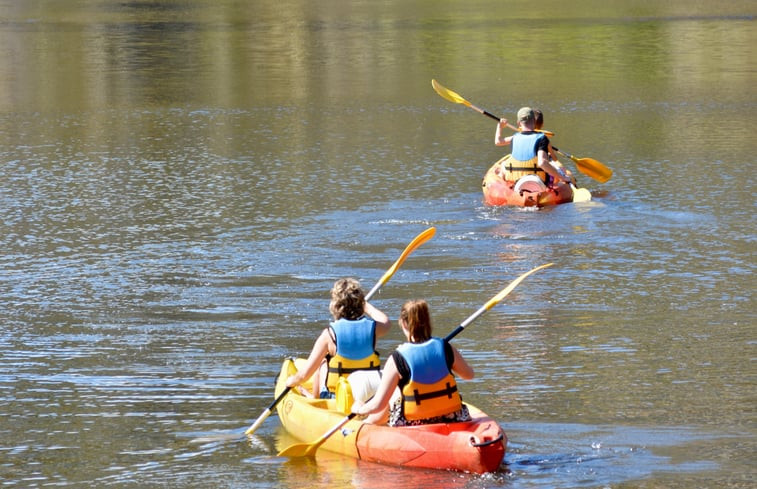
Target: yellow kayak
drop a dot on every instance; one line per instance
(476, 446)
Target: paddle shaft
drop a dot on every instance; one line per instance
(309, 449)
(415, 243)
(493, 301)
(267, 412)
(489, 114)
(456, 98)
(588, 166)
(566, 154)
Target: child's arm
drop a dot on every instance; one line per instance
(498, 139)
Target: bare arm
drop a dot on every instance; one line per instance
(460, 367)
(317, 354)
(383, 325)
(548, 167)
(552, 153)
(498, 139)
(390, 377)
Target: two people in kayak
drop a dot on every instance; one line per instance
(417, 379)
(532, 153)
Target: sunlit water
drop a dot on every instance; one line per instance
(181, 185)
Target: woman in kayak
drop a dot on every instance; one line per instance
(422, 369)
(530, 152)
(348, 344)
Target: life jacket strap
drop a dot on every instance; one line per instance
(417, 397)
(512, 168)
(339, 369)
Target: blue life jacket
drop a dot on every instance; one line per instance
(431, 390)
(355, 348)
(524, 159)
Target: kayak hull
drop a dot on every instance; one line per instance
(476, 446)
(498, 192)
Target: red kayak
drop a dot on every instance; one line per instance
(527, 192)
(476, 446)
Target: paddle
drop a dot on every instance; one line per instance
(455, 97)
(594, 170)
(415, 243)
(587, 166)
(494, 301)
(579, 194)
(590, 167)
(309, 449)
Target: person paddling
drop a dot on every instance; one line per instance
(422, 369)
(538, 124)
(530, 151)
(348, 344)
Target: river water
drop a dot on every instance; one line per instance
(182, 181)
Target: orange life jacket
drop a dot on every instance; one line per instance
(431, 390)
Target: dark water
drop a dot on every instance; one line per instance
(182, 182)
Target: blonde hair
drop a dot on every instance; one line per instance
(417, 319)
(347, 299)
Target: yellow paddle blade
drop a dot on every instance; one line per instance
(456, 98)
(593, 168)
(309, 449)
(497, 298)
(415, 243)
(493, 301)
(581, 194)
(299, 450)
(448, 94)
(589, 166)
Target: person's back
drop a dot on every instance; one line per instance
(538, 125)
(418, 377)
(348, 344)
(530, 151)
(526, 147)
(355, 341)
(430, 389)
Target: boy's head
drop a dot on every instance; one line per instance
(526, 115)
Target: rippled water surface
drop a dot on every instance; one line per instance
(182, 182)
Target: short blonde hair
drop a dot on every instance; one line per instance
(347, 299)
(526, 114)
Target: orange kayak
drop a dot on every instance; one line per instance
(497, 191)
(476, 446)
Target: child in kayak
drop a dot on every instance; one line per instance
(530, 151)
(418, 377)
(347, 345)
(538, 124)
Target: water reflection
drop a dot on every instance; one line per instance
(182, 181)
(582, 455)
(328, 468)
